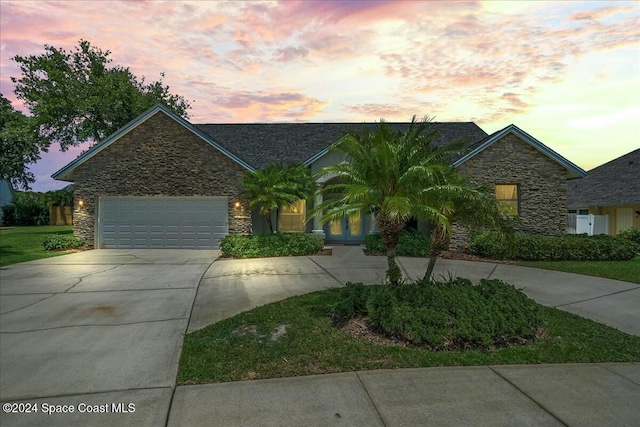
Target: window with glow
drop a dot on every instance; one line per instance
(291, 218)
(507, 195)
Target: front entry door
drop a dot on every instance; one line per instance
(347, 229)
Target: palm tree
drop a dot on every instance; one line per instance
(396, 176)
(275, 186)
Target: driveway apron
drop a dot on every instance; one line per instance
(99, 328)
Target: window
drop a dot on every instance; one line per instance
(507, 195)
(291, 218)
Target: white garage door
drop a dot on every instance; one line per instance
(162, 222)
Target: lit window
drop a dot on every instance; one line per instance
(291, 218)
(507, 195)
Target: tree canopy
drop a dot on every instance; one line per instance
(73, 97)
(76, 96)
(19, 145)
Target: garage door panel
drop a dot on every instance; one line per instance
(162, 222)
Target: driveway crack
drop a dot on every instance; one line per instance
(88, 275)
(29, 305)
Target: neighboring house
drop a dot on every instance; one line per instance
(161, 181)
(7, 195)
(611, 189)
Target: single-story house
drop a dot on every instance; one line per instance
(161, 181)
(7, 194)
(611, 189)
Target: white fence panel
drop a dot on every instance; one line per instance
(587, 224)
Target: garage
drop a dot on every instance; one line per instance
(162, 222)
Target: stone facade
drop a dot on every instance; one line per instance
(542, 184)
(160, 157)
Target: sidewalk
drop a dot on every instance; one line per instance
(515, 395)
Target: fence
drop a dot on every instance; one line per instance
(61, 215)
(587, 224)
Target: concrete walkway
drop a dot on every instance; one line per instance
(103, 328)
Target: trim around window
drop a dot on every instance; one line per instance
(508, 195)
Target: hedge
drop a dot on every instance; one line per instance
(546, 248)
(632, 234)
(270, 245)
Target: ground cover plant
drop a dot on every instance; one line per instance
(545, 248)
(270, 245)
(298, 337)
(20, 244)
(411, 243)
(58, 242)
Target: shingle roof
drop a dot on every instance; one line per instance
(261, 144)
(612, 184)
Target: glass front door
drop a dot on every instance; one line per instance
(347, 229)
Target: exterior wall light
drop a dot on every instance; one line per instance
(81, 203)
(237, 205)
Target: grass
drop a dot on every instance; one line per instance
(239, 348)
(629, 271)
(20, 244)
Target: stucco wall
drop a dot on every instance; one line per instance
(158, 158)
(611, 211)
(542, 184)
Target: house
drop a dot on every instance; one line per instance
(161, 181)
(7, 194)
(611, 189)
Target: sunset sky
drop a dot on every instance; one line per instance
(567, 73)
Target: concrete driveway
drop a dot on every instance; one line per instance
(103, 329)
(99, 328)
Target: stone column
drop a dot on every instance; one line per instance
(373, 225)
(318, 230)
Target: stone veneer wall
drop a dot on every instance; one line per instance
(542, 185)
(158, 158)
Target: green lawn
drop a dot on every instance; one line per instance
(20, 244)
(628, 271)
(239, 348)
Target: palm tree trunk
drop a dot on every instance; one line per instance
(268, 218)
(390, 232)
(439, 241)
(430, 266)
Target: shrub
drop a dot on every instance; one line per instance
(632, 234)
(444, 315)
(270, 245)
(411, 243)
(545, 248)
(56, 242)
(28, 208)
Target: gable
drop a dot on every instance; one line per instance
(67, 173)
(573, 171)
